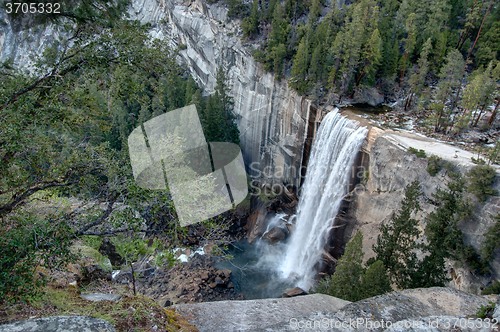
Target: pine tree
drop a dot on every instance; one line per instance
(480, 179)
(250, 24)
(450, 76)
(443, 235)
(300, 65)
(479, 94)
(396, 243)
(375, 281)
(278, 28)
(317, 65)
(491, 240)
(417, 79)
(345, 282)
(191, 88)
(314, 12)
(213, 118)
(409, 43)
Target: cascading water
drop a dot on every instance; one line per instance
(327, 178)
(263, 270)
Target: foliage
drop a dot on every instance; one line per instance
(92, 241)
(365, 42)
(444, 237)
(345, 282)
(375, 281)
(491, 241)
(64, 133)
(480, 178)
(130, 248)
(419, 153)
(434, 165)
(396, 243)
(146, 313)
(494, 288)
(486, 310)
(350, 281)
(27, 243)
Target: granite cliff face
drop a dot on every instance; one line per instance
(273, 120)
(391, 168)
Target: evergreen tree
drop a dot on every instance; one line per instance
(300, 65)
(345, 282)
(396, 244)
(314, 13)
(417, 79)
(214, 120)
(479, 94)
(480, 178)
(349, 281)
(443, 235)
(491, 240)
(317, 65)
(250, 24)
(450, 76)
(375, 281)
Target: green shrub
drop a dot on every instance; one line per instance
(480, 178)
(486, 310)
(419, 153)
(182, 47)
(92, 241)
(491, 241)
(434, 166)
(25, 246)
(492, 289)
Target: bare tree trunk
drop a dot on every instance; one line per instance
(463, 37)
(493, 115)
(133, 278)
(479, 115)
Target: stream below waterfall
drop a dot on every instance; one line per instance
(265, 270)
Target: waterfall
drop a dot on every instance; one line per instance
(327, 178)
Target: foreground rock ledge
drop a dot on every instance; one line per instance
(253, 315)
(284, 314)
(60, 324)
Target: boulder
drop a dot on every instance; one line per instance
(297, 291)
(108, 249)
(95, 272)
(276, 234)
(370, 96)
(256, 222)
(96, 297)
(60, 324)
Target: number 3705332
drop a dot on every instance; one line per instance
(33, 8)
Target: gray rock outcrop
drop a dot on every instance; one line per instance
(60, 324)
(319, 312)
(254, 315)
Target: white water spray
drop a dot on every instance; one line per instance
(327, 178)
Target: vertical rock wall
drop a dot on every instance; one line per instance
(272, 119)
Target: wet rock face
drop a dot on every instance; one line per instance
(273, 120)
(276, 234)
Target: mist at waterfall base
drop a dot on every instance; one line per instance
(263, 270)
